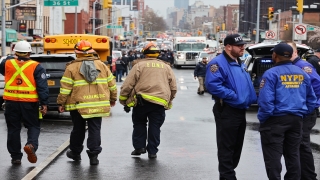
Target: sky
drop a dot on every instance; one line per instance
(162, 5)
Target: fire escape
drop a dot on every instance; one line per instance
(98, 21)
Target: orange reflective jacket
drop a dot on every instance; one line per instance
(20, 84)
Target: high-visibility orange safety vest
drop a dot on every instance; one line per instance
(20, 84)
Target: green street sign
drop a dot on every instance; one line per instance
(114, 27)
(310, 28)
(61, 3)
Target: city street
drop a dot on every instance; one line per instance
(187, 151)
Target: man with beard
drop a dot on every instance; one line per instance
(229, 82)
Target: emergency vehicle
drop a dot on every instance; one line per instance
(260, 59)
(187, 49)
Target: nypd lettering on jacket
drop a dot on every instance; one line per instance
(285, 89)
(291, 81)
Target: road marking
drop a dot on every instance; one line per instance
(183, 87)
(32, 174)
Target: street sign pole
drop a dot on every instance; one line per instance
(258, 22)
(300, 22)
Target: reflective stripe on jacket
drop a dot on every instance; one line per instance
(20, 83)
(90, 99)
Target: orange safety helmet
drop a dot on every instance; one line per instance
(151, 50)
(83, 47)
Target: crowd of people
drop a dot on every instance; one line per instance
(288, 101)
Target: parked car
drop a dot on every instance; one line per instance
(260, 60)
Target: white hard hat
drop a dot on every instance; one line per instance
(22, 46)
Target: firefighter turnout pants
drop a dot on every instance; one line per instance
(153, 113)
(79, 130)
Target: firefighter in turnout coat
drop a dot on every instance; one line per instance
(87, 90)
(149, 88)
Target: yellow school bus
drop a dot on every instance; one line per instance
(64, 44)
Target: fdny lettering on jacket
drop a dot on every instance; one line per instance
(155, 65)
(292, 81)
(94, 96)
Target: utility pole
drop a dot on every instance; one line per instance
(258, 23)
(75, 20)
(279, 24)
(300, 10)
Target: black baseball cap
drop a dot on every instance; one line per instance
(283, 49)
(234, 39)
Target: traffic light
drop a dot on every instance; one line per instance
(119, 21)
(286, 27)
(254, 32)
(132, 26)
(300, 6)
(107, 4)
(223, 27)
(270, 13)
(218, 28)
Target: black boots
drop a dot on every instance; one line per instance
(93, 158)
(74, 156)
(138, 152)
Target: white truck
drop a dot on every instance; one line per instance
(187, 49)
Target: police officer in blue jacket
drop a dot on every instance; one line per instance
(230, 84)
(286, 97)
(306, 157)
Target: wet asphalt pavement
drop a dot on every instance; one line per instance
(187, 150)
